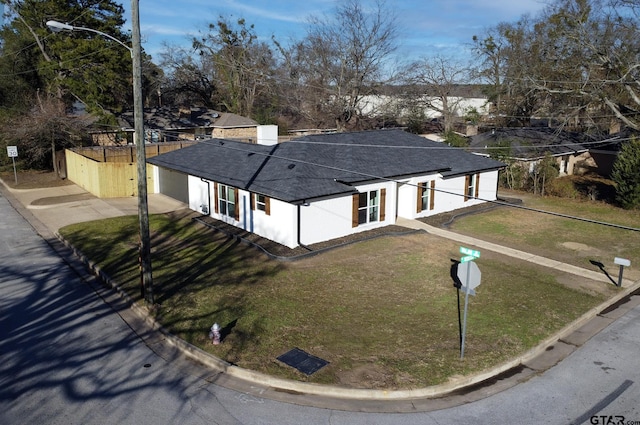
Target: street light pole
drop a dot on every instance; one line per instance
(146, 279)
(56, 26)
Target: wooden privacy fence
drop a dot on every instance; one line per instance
(111, 171)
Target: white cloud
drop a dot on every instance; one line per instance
(165, 30)
(271, 13)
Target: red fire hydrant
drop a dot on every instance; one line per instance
(214, 334)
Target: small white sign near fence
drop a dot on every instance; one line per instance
(12, 151)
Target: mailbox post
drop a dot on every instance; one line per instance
(622, 262)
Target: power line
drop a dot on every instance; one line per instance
(221, 144)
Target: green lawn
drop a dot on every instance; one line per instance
(382, 312)
(571, 241)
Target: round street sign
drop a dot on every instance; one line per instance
(469, 274)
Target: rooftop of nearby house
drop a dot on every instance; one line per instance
(613, 143)
(228, 120)
(164, 118)
(321, 165)
(531, 142)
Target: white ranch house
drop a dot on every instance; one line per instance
(323, 187)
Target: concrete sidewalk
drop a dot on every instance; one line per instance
(52, 208)
(510, 252)
(60, 206)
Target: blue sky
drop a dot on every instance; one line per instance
(426, 26)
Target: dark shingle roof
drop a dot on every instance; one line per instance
(531, 142)
(289, 171)
(232, 120)
(613, 142)
(166, 118)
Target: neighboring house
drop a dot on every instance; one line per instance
(232, 126)
(528, 145)
(323, 187)
(461, 100)
(605, 151)
(167, 124)
(164, 124)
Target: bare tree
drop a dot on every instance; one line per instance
(243, 65)
(45, 129)
(342, 59)
(188, 79)
(432, 81)
(576, 62)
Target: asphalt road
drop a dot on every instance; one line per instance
(68, 357)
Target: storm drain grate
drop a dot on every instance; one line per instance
(303, 361)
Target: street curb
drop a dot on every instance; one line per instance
(295, 387)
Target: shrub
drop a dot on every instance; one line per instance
(626, 174)
(563, 188)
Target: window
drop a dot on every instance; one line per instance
(426, 192)
(424, 199)
(368, 207)
(261, 203)
(226, 200)
(472, 183)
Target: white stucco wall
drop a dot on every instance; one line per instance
(489, 186)
(199, 195)
(451, 193)
(408, 195)
(279, 226)
(315, 219)
(331, 218)
(328, 218)
(448, 194)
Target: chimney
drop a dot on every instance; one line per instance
(267, 134)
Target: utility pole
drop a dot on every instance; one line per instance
(146, 279)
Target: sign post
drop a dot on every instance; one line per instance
(470, 276)
(469, 253)
(12, 151)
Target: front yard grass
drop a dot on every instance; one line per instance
(383, 312)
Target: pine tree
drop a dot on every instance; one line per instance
(70, 66)
(626, 175)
